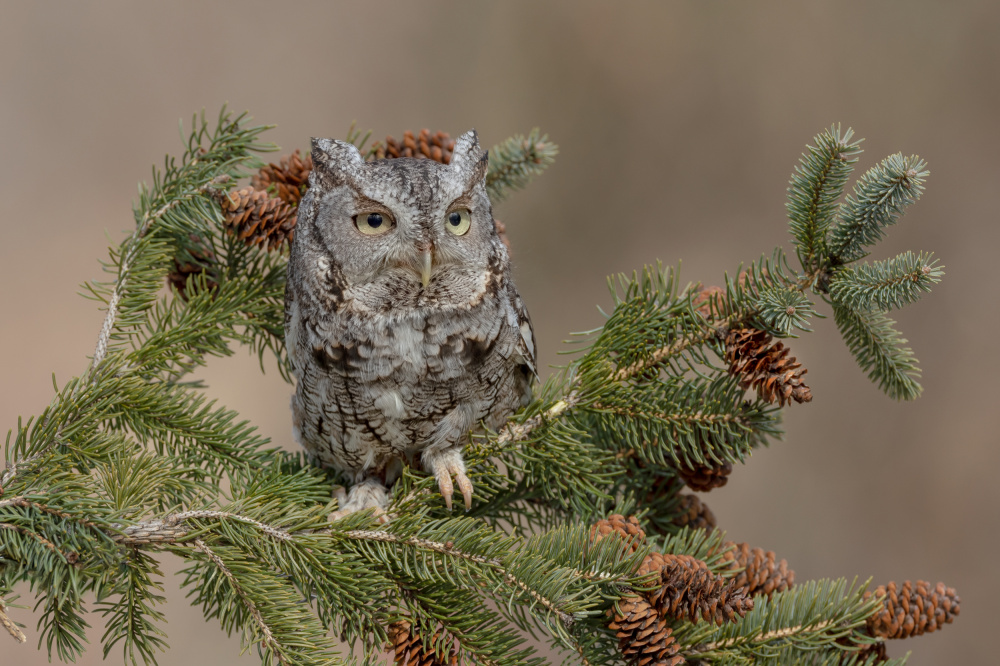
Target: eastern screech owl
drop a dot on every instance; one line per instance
(402, 323)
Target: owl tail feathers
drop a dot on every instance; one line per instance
(368, 494)
(445, 465)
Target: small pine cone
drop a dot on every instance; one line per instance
(776, 376)
(643, 635)
(502, 233)
(289, 177)
(438, 146)
(913, 609)
(706, 298)
(258, 219)
(689, 590)
(192, 260)
(694, 513)
(408, 648)
(627, 528)
(762, 573)
(705, 477)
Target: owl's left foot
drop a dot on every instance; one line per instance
(368, 494)
(445, 465)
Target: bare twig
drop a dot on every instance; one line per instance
(11, 626)
(265, 629)
(171, 529)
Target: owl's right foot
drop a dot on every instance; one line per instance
(368, 494)
(445, 465)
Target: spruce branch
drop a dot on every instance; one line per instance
(516, 161)
(878, 348)
(10, 625)
(886, 285)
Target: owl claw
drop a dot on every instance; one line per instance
(445, 467)
(369, 494)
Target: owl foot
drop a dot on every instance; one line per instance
(445, 465)
(368, 494)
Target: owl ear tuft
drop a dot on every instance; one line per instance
(468, 158)
(336, 155)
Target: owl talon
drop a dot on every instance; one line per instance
(369, 494)
(448, 465)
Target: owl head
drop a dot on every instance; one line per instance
(399, 232)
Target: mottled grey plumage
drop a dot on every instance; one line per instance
(405, 338)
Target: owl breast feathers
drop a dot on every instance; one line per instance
(402, 323)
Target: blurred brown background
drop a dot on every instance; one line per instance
(678, 123)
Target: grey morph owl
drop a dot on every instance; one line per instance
(402, 323)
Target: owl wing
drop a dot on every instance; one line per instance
(524, 352)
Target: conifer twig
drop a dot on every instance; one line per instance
(784, 632)
(265, 629)
(11, 626)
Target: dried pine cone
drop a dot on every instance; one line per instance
(913, 609)
(408, 648)
(289, 177)
(192, 260)
(643, 635)
(705, 477)
(258, 219)
(626, 528)
(706, 298)
(688, 589)
(438, 146)
(761, 574)
(694, 513)
(776, 376)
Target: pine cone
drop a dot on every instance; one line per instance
(689, 590)
(913, 609)
(192, 260)
(502, 232)
(257, 219)
(408, 648)
(643, 635)
(694, 513)
(776, 376)
(627, 528)
(706, 298)
(289, 177)
(761, 574)
(438, 146)
(705, 477)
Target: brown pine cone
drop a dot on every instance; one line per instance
(689, 590)
(694, 513)
(761, 574)
(705, 477)
(912, 609)
(706, 298)
(643, 635)
(408, 648)
(438, 146)
(192, 260)
(767, 367)
(289, 178)
(627, 528)
(258, 219)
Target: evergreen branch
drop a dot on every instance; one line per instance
(775, 634)
(880, 197)
(268, 636)
(885, 285)
(516, 160)
(11, 626)
(813, 190)
(130, 255)
(170, 529)
(878, 348)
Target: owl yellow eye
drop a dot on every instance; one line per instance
(372, 224)
(458, 221)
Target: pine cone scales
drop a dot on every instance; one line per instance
(704, 478)
(912, 609)
(694, 513)
(289, 177)
(438, 146)
(258, 219)
(193, 260)
(408, 648)
(627, 528)
(767, 367)
(643, 635)
(689, 590)
(762, 572)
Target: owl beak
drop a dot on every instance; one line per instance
(426, 259)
